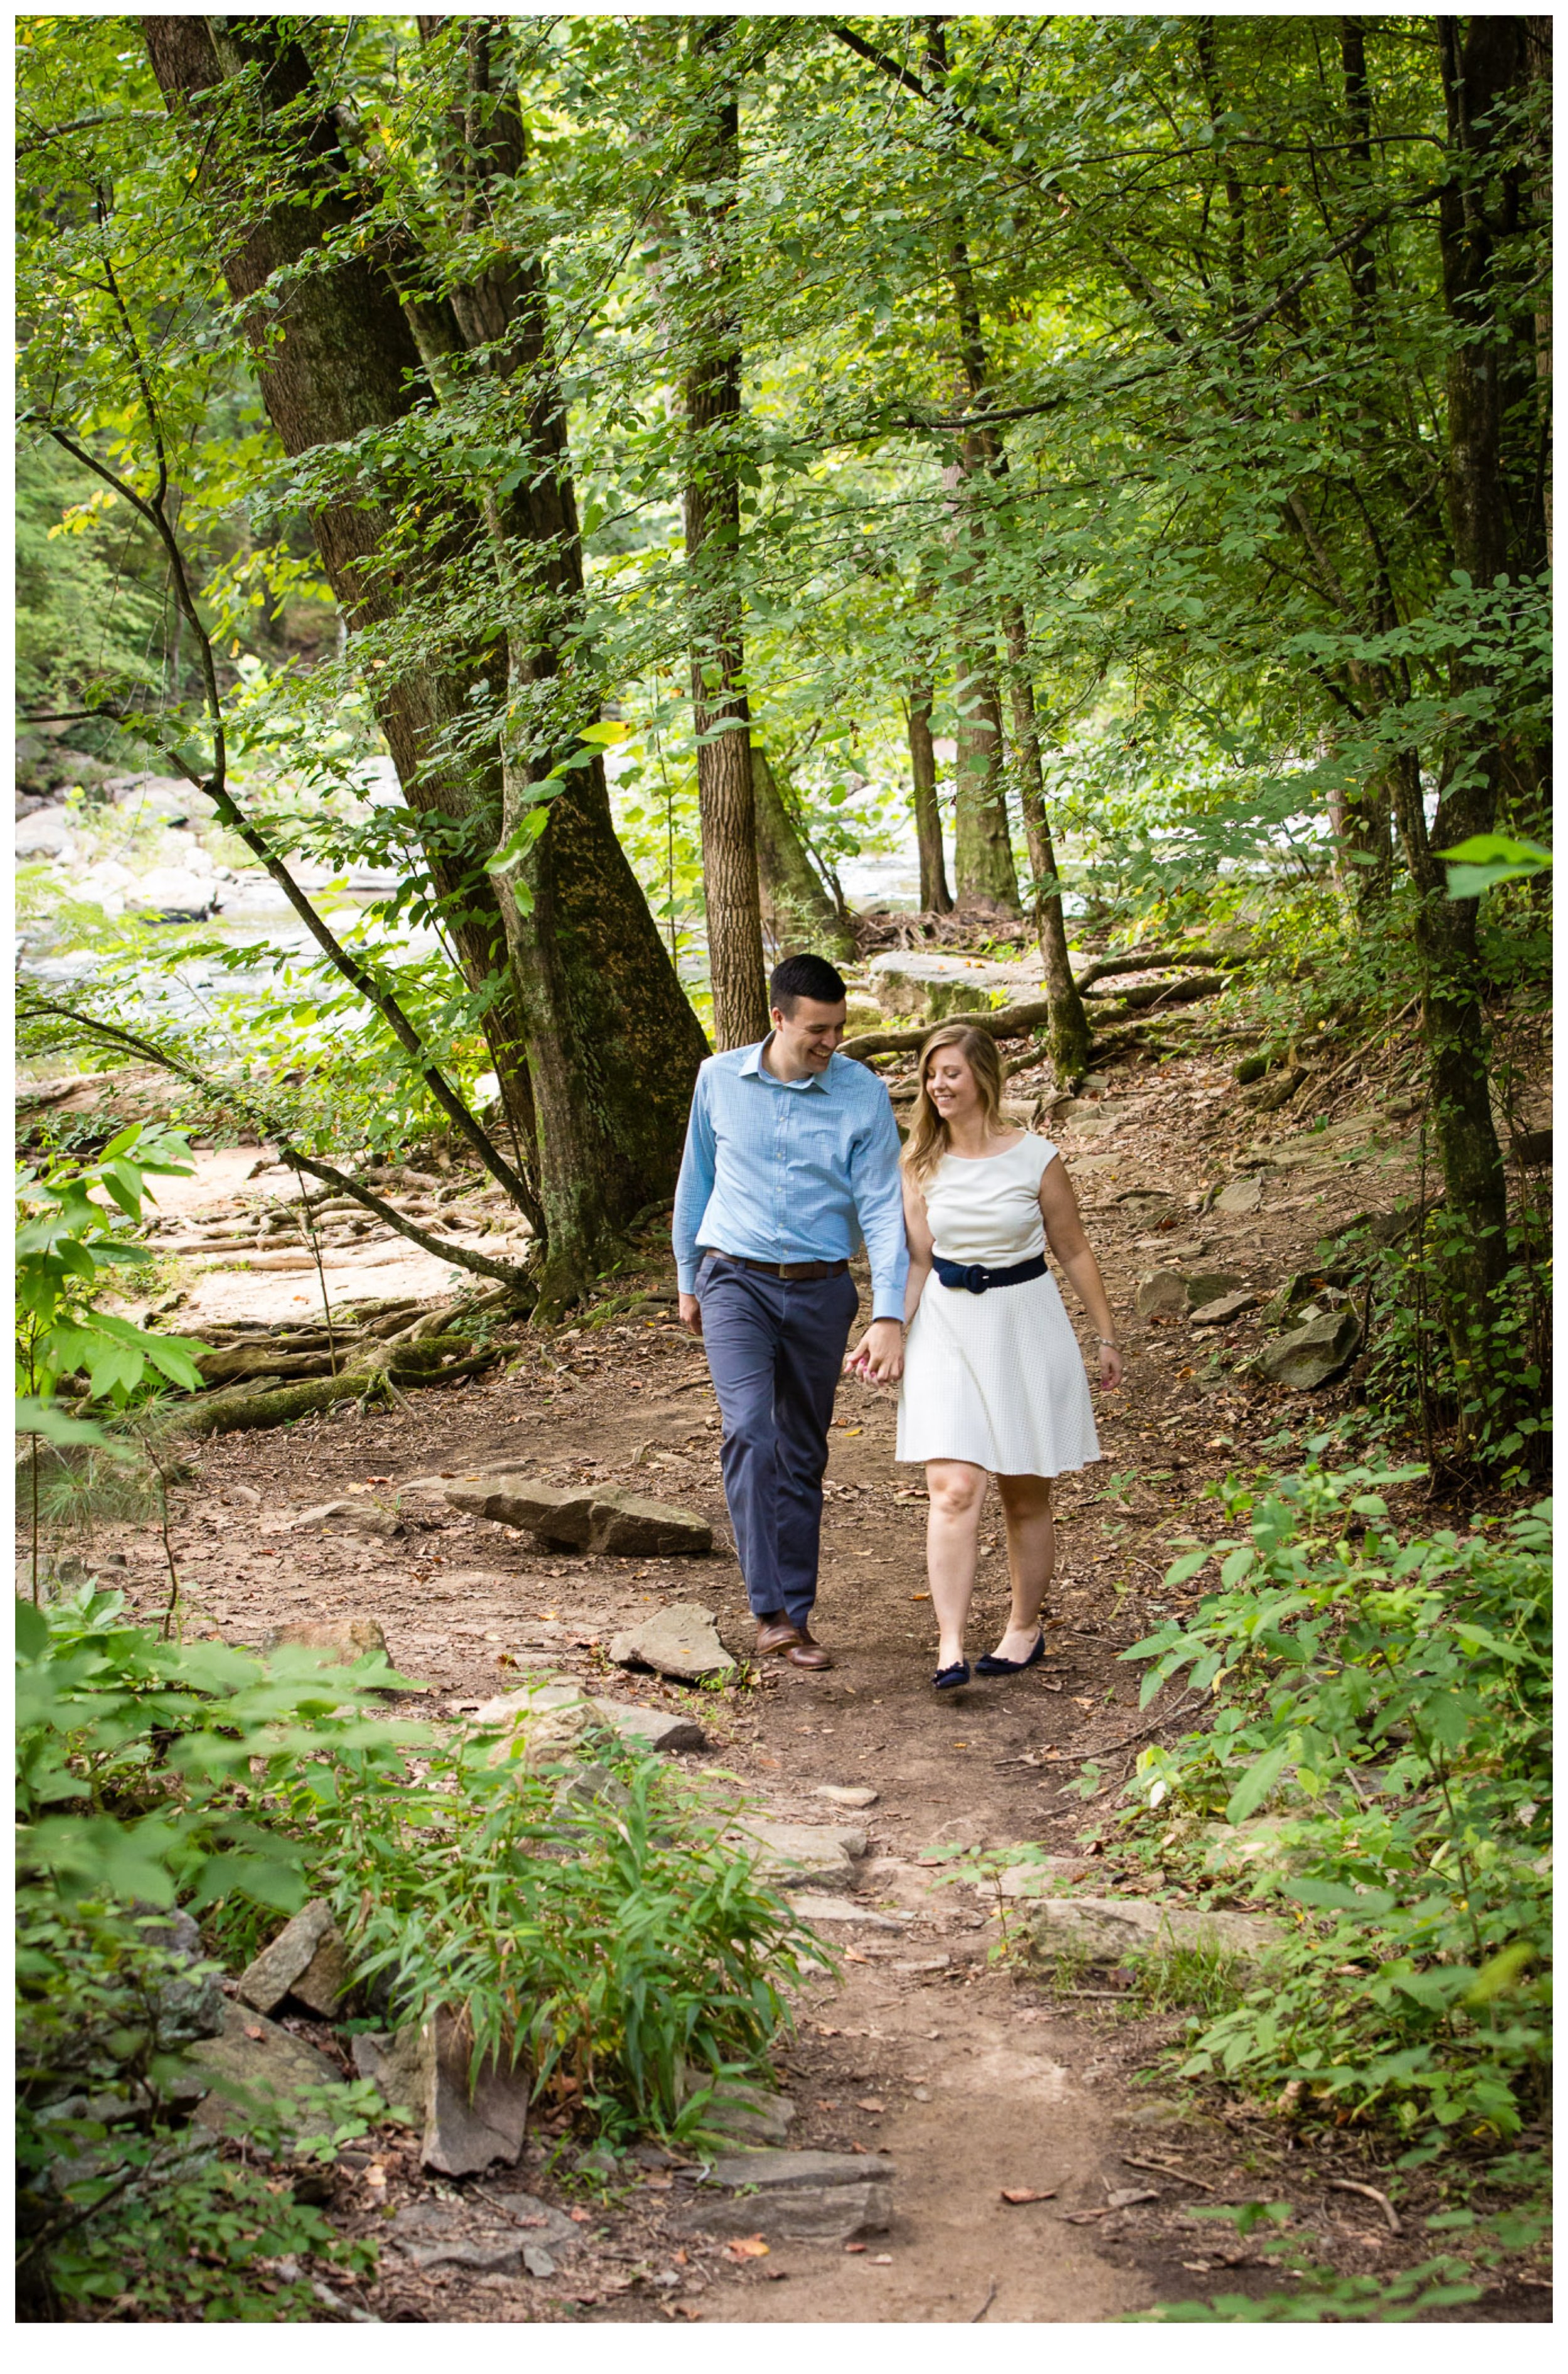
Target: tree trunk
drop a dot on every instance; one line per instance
(1070, 1035)
(721, 713)
(340, 357)
(800, 913)
(936, 898)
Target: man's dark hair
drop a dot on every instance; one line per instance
(804, 976)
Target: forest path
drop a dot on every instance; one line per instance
(971, 2080)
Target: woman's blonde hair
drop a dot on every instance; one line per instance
(928, 1132)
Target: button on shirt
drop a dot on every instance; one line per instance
(793, 1170)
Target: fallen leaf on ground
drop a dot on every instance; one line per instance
(1128, 2199)
(852, 2249)
(750, 2246)
(255, 2034)
(656, 2184)
(883, 2259)
(1018, 2194)
(870, 2103)
(776, 2275)
(579, 2216)
(851, 1955)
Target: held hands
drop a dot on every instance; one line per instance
(878, 1357)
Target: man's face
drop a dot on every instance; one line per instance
(808, 1039)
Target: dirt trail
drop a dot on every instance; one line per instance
(972, 2081)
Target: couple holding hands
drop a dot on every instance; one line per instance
(791, 1155)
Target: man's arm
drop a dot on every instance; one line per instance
(879, 1204)
(694, 1186)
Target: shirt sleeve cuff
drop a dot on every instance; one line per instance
(686, 1277)
(888, 1304)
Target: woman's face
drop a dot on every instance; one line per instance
(951, 1085)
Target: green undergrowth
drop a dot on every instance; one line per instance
(589, 1921)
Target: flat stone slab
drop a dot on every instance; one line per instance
(608, 1521)
(682, 1641)
(307, 1959)
(802, 1850)
(1207, 1285)
(353, 1516)
(346, 1640)
(542, 1722)
(833, 1912)
(1161, 1295)
(1226, 1307)
(857, 1798)
(795, 2196)
(936, 985)
(1107, 1928)
(651, 1727)
(470, 2234)
(1241, 1195)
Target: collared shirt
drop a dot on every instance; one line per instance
(793, 1170)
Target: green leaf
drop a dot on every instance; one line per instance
(1256, 1782)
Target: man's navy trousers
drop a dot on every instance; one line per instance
(775, 1348)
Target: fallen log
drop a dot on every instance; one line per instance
(1015, 1021)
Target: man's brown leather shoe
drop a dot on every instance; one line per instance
(809, 1654)
(777, 1633)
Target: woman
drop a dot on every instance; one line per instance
(993, 1379)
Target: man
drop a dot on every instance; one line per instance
(791, 1157)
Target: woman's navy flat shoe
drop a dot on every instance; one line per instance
(952, 1677)
(1011, 1664)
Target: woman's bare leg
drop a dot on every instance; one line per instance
(1031, 1559)
(953, 1534)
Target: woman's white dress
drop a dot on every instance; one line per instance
(996, 1378)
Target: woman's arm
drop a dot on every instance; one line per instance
(1064, 1234)
(917, 1228)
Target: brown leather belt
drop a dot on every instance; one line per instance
(788, 1271)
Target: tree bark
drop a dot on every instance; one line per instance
(936, 898)
(800, 913)
(340, 356)
(720, 712)
(1070, 1036)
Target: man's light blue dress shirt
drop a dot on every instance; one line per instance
(793, 1170)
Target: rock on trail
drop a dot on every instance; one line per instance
(681, 1641)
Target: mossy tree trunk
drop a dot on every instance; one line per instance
(802, 914)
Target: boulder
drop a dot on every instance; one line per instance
(682, 1641)
(189, 2003)
(794, 2196)
(542, 1722)
(1312, 1356)
(855, 1799)
(272, 1975)
(932, 986)
(651, 1727)
(1241, 1195)
(626, 1525)
(424, 2070)
(1226, 1307)
(353, 1516)
(511, 1497)
(254, 2068)
(166, 797)
(346, 1640)
(748, 2115)
(172, 894)
(1208, 1284)
(1104, 1930)
(1161, 1294)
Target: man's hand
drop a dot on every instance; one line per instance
(691, 1314)
(878, 1357)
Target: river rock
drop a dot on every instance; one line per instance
(346, 1640)
(1105, 1929)
(1226, 1307)
(509, 1497)
(1241, 1195)
(794, 2196)
(543, 1722)
(266, 1981)
(933, 986)
(682, 1641)
(1313, 1354)
(624, 1524)
(45, 834)
(1161, 1294)
(265, 2068)
(189, 2001)
(353, 1516)
(856, 1799)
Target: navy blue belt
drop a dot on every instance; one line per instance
(977, 1277)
